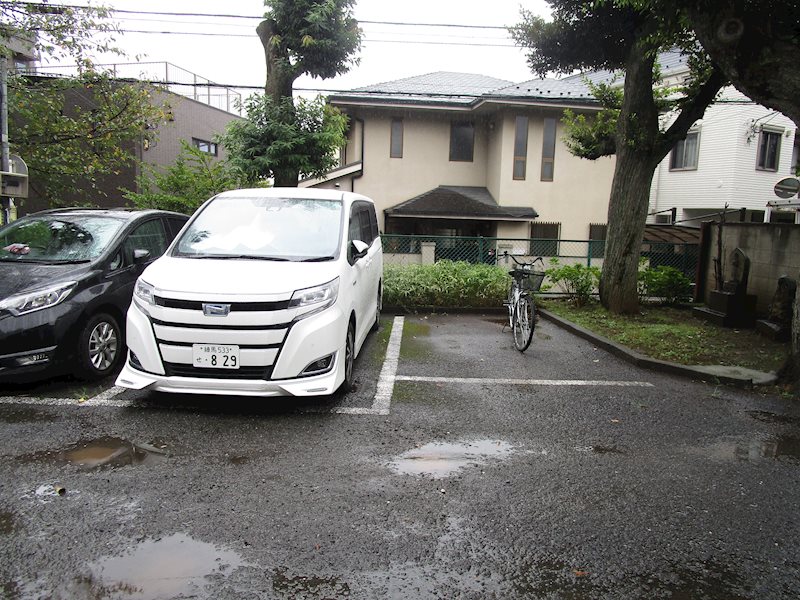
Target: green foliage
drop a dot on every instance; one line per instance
(74, 132)
(194, 178)
(284, 136)
(317, 37)
(445, 284)
(577, 280)
(665, 282)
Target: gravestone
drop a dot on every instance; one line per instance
(778, 324)
(732, 306)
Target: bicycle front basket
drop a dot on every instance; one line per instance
(533, 281)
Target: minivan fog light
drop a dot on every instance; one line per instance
(318, 367)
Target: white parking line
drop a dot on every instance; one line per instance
(383, 395)
(565, 382)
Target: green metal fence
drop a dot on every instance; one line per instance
(427, 249)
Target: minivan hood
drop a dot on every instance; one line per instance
(18, 277)
(236, 277)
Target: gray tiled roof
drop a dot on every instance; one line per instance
(462, 201)
(465, 89)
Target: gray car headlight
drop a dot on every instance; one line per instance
(22, 304)
(316, 298)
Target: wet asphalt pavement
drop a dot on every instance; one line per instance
(483, 474)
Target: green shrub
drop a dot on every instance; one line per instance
(578, 280)
(666, 282)
(445, 284)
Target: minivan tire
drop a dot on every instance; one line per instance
(100, 347)
(349, 358)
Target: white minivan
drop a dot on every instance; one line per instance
(265, 292)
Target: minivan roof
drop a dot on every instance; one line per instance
(293, 192)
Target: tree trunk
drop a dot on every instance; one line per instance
(627, 214)
(279, 87)
(637, 158)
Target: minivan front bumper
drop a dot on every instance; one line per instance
(307, 340)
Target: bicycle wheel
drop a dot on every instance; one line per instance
(523, 323)
(511, 302)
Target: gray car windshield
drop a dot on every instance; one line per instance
(57, 238)
(264, 228)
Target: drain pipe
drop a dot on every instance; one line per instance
(361, 172)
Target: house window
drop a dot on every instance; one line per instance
(462, 141)
(396, 142)
(597, 235)
(769, 150)
(685, 152)
(548, 150)
(544, 239)
(520, 147)
(205, 146)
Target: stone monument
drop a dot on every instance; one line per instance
(732, 306)
(778, 324)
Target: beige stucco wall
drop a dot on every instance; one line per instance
(774, 251)
(577, 197)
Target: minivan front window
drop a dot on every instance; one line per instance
(264, 228)
(56, 238)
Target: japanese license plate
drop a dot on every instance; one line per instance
(215, 356)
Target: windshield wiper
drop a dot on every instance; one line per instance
(319, 259)
(237, 257)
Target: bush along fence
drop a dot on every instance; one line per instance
(460, 272)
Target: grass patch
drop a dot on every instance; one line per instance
(675, 335)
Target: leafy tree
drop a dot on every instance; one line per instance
(194, 178)
(71, 131)
(285, 138)
(586, 35)
(314, 37)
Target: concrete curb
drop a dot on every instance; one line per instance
(736, 376)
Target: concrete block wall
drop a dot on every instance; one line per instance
(773, 249)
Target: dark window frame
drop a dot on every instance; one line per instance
(461, 149)
(679, 161)
(769, 158)
(521, 128)
(396, 138)
(206, 146)
(549, 133)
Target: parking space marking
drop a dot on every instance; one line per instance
(564, 382)
(383, 395)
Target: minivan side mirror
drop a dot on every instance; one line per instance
(140, 256)
(359, 249)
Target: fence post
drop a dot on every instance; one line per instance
(589, 254)
(428, 253)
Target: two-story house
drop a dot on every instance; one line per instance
(462, 154)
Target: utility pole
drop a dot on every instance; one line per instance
(5, 202)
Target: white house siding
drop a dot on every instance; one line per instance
(726, 170)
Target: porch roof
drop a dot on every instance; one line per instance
(460, 202)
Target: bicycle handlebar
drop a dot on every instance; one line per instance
(538, 259)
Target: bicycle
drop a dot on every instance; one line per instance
(521, 304)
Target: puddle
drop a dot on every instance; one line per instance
(236, 459)
(25, 414)
(301, 586)
(172, 567)
(104, 452)
(440, 459)
(7, 524)
(776, 447)
(768, 417)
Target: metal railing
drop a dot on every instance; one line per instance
(427, 249)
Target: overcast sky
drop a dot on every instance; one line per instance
(388, 51)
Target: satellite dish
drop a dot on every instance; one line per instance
(786, 188)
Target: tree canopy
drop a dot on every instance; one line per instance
(71, 131)
(315, 37)
(616, 36)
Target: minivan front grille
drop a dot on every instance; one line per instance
(181, 370)
(235, 306)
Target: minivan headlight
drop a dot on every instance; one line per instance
(316, 298)
(22, 304)
(144, 292)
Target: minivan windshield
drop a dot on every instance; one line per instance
(57, 238)
(272, 228)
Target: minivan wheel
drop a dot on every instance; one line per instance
(349, 358)
(100, 346)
